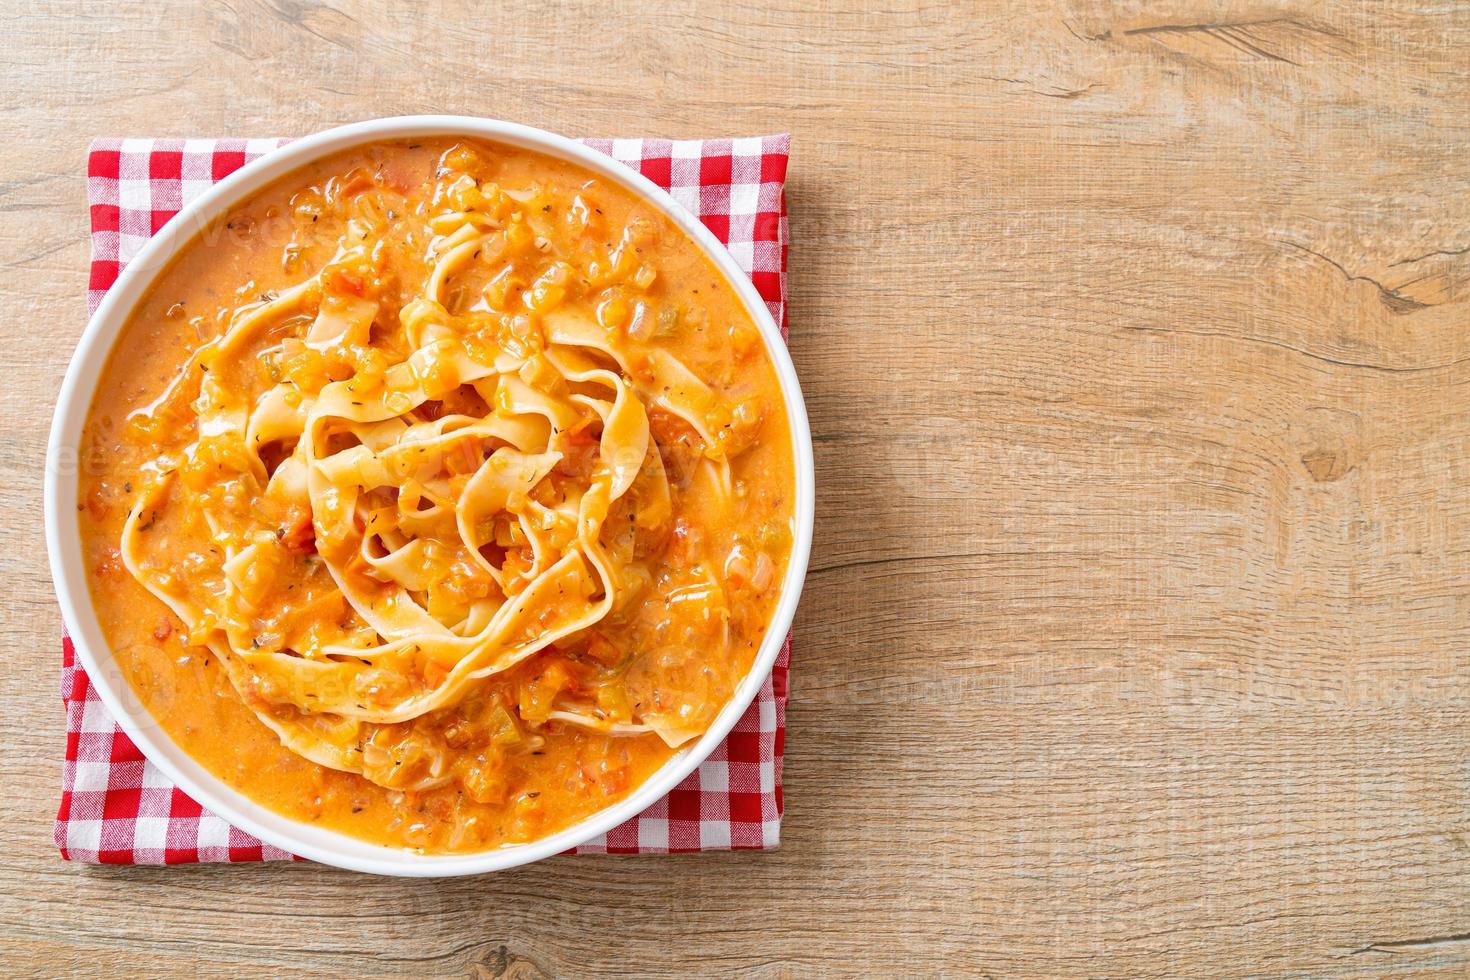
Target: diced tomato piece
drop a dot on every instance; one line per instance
(579, 452)
(297, 534)
(97, 504)
(344, 281)
(614, 781)
(539, 694)
(357, 182)
(688, 540)
(599, 648)
(610, 779)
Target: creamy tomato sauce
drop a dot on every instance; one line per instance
(437, 494)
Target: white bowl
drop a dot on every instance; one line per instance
(63, 539)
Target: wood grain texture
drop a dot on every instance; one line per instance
(1135, 343)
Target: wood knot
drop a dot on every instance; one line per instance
(1331, 441)
(501, 964)
(1325, 466)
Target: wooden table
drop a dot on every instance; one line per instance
(1137, 350)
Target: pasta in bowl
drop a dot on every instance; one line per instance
(447, 494)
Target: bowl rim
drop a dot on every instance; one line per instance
(63, 538)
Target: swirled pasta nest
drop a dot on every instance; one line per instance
(413, 500)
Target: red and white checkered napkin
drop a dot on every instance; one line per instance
(117, 808)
